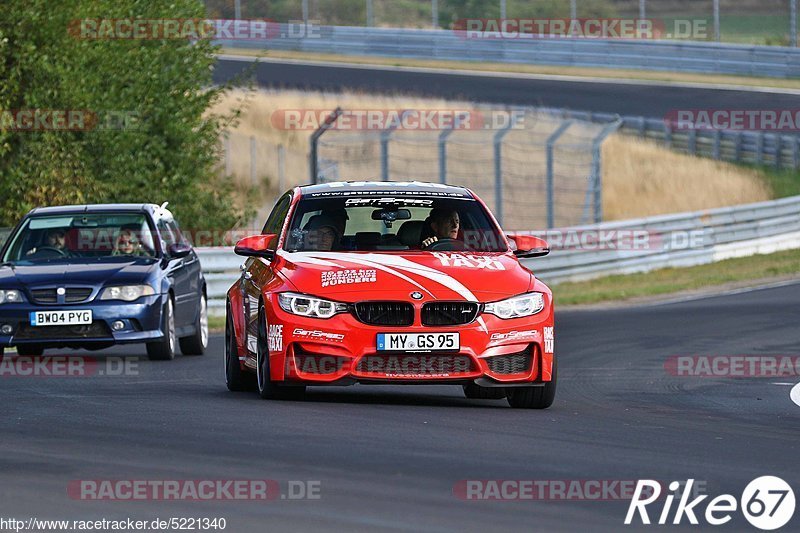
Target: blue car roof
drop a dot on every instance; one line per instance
(93, 208)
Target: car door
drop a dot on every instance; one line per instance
(256, 272)
(179, 276)
(192, 264)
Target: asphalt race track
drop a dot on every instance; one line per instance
(651, 100)
(387, 458)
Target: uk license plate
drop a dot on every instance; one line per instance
(401, 342)
(61, 318)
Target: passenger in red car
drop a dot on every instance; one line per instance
(323, 234)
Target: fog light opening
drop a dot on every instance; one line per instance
(118, 325)
(6, 329)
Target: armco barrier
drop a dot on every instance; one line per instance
(678, 240)
(680, 56)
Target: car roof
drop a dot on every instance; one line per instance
(156, 211)
(409, 187)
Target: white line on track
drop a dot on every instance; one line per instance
(795, 394)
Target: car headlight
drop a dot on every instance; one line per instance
(127, 293)
(517, 307)
(10, 297)
(304, 305)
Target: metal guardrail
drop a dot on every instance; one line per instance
(683, 56)
(678, 240)
(779, 150)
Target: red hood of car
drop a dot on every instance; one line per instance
(356, 276)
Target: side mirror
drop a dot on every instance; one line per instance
(530, 246)
(179, 251)
(256, 246)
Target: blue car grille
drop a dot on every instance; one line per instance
(73, 295)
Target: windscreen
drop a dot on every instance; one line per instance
(65, 237)
(392, 223)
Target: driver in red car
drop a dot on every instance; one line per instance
(441, 224)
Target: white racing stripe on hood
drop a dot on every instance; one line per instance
(381, 262)
(305, 257)
(308, 258)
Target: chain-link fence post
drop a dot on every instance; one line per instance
(443, 154)
(596, 179)
(551, 206)
(498, 166)
(281, 168)
(435, 13)
(253, 162)
(386, 137)
(717, 30)
(237, 9)
(642, 9)
(573, 9)
(314, 142)
(370, 15)
(503, 9)
(305, 13)
(793, 22)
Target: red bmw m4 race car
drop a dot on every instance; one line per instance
(390, 283)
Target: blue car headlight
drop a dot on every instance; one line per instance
(10, 297)
(309, 306)
(517, 307)
(127, 293)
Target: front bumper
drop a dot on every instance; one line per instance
(142, 320)
(342, 350)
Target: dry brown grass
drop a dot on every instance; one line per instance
(643, 179)
(640, 178)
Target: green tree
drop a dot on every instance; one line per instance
(169, 152)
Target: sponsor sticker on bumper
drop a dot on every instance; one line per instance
(61, 318)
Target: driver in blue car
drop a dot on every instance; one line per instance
(441, 224)
(56, 239)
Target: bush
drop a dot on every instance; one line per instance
(172, 152)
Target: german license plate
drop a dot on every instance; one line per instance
(61, 318)
(400, 342)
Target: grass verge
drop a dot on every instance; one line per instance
(542, 70)
(216, 324)
(675, 280)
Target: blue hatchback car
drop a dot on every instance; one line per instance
(94, 276)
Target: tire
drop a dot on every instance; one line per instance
(29, 350)
(267, 389)
(476, 392)
(197, 343)
(534, 397)
(164, 350)
(235, 378)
